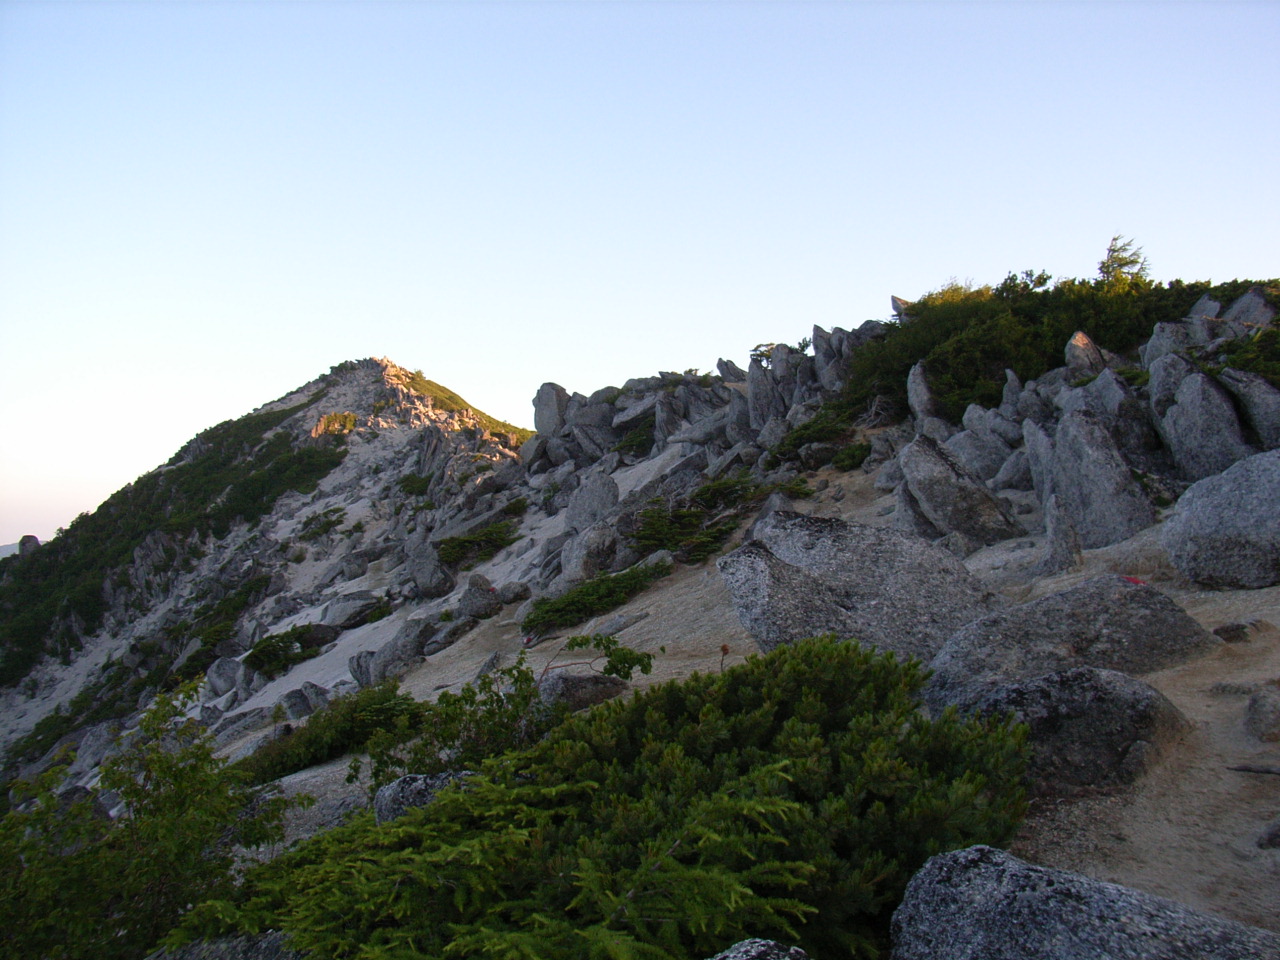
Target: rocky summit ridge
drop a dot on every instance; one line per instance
(413, 536)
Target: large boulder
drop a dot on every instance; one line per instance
(1090, 729)
(579, 690)
(589, 552)
(595, 497)
(1095, 486)
(1225, 530)
(981, 453)
(479, 599)
(764, 399)
(803, 576)
(1201, 428)
(350, 610)
(549, 405)
(985, 904)
(411, 790)
(1260, 401)
(1083, 357)
(920, 398)
(952, 498)
(1110, 622)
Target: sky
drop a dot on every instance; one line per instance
(204, 205)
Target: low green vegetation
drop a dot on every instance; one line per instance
(443, 398)
(337, 424)
(638, 441)
(232, 472)
(967, 336)
(591, 598)
(415, 485)
(497, 713)
(791, 797)
(466, 551)
(696, 527)
(516, 508)
(276, 653)
(77, 885)
(318, 524)
(851, 457)
(343, 726)
(1258, 353)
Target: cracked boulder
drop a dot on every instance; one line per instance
(1090, 729)
(803, 576)
(984, 904)
(1225, 530)
(952, 498)
(1110, 622)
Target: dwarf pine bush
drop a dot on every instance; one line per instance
(791, 796)
(75, 884)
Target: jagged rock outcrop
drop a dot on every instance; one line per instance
(1201, 428)
(1109, 622)
(803, 576)
(1094, 484)
(1225, 530)
(983, 904)
(952, 498)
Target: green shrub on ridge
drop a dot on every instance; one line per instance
(792, 797)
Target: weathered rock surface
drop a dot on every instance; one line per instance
(1090, 729)
(1260, 401)
(1083, 356)
(593, 500)
(1201, 428)
(761, 950)
(480, 599)
(265, 946)
(803, 576)
(1225, 530)
(919, 396)
(951, 497)
(1062, 542)
(411, 790)
(579, 690)
(549, 405)
(1262, 714)
(984, 904)
(1108, 622)
(1095, 485)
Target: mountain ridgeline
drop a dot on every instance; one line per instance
(288, 568)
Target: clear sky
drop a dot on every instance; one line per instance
(206, 204)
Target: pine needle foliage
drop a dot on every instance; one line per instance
(792, 796)
(477, 547)
(75, 884)
(695, 527)
(495, 714)
(343, 726)
(591, 598)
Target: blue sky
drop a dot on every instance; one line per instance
(205, 205)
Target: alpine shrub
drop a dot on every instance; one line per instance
(790, 797)
(591, 598)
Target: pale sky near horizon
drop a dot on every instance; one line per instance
(204, 205)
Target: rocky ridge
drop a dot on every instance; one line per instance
(1087, 457)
